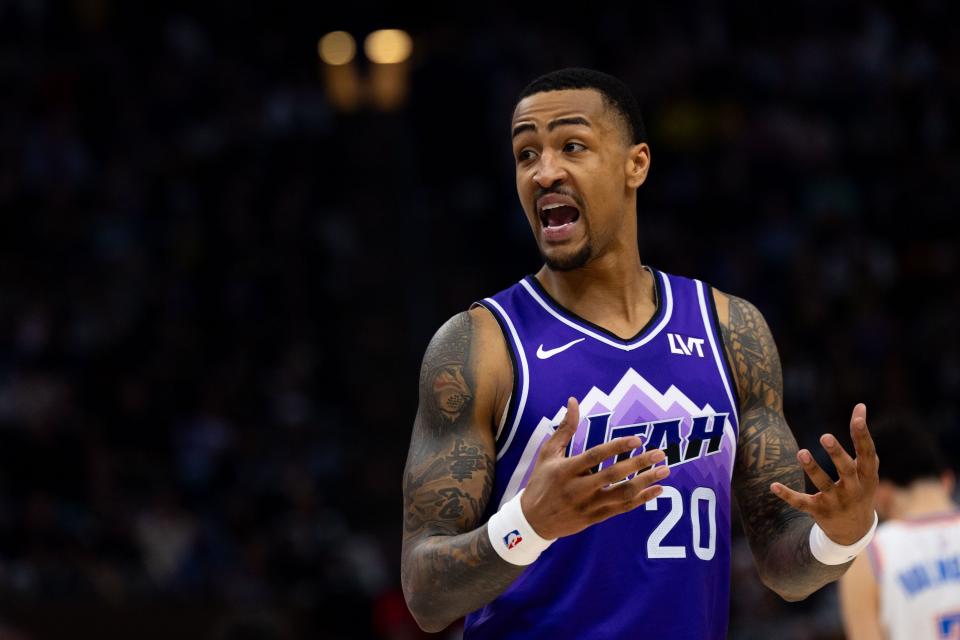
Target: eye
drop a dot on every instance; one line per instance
(524, 155)
(573, 147)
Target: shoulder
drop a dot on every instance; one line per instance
(464, 331)
(737, 312)
(474, 334)
(467, 360)
(491, 356)
(750, 348)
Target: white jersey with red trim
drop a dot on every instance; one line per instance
(917, 566)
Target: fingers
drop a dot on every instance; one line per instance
(594, 456)
(796, 499)
(855, 474)
(867, 460)
(820, 479)
(613, 509)
(629, 495)
(865, 466)
(859, 413)
(845, 465)
(625, 468)
(558, 442)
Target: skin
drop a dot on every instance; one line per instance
(859, 592)
(767, 479)
(860, 602)
(572, 144)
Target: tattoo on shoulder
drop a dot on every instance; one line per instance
(753, 354)
(767, 453)
(449, 566)
(449, 475)
(446, 378)
(767, 449)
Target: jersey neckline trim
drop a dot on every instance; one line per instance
(657, 321)
(931, 518)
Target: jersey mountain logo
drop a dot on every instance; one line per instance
(667, 420)
(685, 346)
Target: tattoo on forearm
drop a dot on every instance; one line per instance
(767, 453)
(449, 567)
(462, 573)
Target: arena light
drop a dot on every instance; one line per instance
(337, 48)
(388, 46)
(344, 86)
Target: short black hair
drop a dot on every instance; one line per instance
(907, 451)
(615, 94)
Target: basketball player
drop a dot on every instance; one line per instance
(579, 434)
(908, 584)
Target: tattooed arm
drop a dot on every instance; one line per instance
(768, 475)
(767, 453)
(448, 567)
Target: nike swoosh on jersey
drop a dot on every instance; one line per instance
(549, 353)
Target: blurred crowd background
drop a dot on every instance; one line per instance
(216, 284)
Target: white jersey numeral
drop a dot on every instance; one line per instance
(655, 546)
(707, 494)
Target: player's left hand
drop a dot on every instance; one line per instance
(843, 509)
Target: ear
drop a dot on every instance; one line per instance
(638, 164)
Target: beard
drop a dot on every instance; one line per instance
(570, 261)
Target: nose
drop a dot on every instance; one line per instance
(550, 170)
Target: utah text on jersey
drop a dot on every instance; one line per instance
(681, 439)
(683, 430)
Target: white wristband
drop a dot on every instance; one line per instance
(511, 535)
(829, 552)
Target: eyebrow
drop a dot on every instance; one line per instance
(559, 122)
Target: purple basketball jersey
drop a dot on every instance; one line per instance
(663, 569)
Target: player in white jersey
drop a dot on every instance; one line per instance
(908, 584)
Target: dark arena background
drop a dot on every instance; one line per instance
(222, 256)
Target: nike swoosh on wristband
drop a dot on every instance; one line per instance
(549, 353)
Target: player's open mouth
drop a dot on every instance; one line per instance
(558, 214)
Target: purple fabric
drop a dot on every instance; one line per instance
(617, 579)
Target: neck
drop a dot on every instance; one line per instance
(922, 499)
(613, 291)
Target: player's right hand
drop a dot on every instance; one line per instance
(563, 497)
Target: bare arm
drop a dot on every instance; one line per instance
(448, 565)
(859, 602)
(768, 476)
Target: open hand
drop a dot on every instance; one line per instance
(563, 497)
(843, 509)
